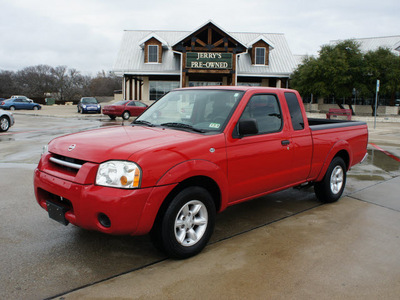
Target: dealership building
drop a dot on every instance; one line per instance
(152, 63)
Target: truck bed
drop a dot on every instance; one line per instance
(320, 124)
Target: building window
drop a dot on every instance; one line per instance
(153, 54)
(260, 56)
(160, 88)
(204, 83)
(249, 83)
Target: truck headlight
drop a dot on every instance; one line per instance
(119, 174)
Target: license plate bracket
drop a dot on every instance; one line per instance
(57, 212)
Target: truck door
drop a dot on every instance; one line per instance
(301, 139)
(260, 162)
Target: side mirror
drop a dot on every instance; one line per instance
(247, 127)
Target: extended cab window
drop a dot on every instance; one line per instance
(295, 111)
(266, 111)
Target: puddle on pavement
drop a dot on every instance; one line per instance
(377, 168)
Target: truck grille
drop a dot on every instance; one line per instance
(68, 163)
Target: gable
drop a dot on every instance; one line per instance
(209, 37)
(260, 44)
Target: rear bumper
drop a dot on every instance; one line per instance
(131, 212)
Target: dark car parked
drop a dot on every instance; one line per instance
(124, 109)
(19, 103)
(89, 104)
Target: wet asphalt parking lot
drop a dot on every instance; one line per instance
(43, 259)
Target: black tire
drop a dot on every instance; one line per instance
(187, 224)
(112, 117)
(331, 188)
(4, 123)
(126, 115)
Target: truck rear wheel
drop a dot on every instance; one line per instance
(331, 187)
(187, 223)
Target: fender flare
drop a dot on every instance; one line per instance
(341, 145)
(198, 167)
(170, 179)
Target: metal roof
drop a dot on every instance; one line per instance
(373, 43)
(130, 59)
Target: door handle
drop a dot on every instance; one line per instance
(285, 142)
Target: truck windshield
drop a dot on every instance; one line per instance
(198, 110)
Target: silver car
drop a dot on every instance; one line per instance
(6, 120)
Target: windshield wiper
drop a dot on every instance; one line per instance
(141, 122)
(182, 125)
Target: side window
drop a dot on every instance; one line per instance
(266, 111)
(132, 104)
(295, 111)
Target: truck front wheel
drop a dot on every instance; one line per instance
(331, 187)
(187, 223)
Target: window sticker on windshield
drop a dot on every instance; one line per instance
(214, 125)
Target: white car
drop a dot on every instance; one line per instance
(6, 120)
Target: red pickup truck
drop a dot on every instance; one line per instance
(189, 156)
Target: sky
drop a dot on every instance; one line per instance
(86, 34)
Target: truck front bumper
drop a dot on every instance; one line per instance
(104, 209)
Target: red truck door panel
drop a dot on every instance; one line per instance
(260, 162)
(301, 139)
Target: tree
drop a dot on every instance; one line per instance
(60, 80)
(62, 83)
(7, 84)
(335, 73)
(341, 68)
(382, 64)
(104, 85)
(36, 81)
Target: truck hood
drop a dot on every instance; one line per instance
(118, 143)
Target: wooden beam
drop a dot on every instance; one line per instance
(216, 44)
(201, 42)
(204, 49)
(209, 36)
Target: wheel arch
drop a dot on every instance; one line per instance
(340, 149)
(200, 181)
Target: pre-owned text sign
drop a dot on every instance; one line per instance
(208, 60)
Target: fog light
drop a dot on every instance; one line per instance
(104, 220)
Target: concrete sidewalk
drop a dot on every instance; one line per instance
(345, 250)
